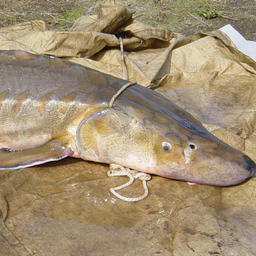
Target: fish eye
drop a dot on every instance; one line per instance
(166, 146)
(192, 146)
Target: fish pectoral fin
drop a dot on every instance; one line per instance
(50, 151)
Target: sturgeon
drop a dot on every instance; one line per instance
(51, 109)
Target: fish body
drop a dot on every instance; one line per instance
(51, 109)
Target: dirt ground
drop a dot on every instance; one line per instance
(183, 16)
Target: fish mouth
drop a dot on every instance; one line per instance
(250, 166)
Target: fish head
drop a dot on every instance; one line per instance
(162, 147)
(181, 148)
(201, 159)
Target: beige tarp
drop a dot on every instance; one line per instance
(65, 208)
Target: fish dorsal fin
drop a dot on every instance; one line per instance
(51, 151)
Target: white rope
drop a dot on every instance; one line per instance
(119, 92)
(124, 76)
(117, 170)
(124, 69)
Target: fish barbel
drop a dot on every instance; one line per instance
(51, 109)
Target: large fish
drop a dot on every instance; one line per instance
(51, 109)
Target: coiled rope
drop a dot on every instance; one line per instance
(117, 170)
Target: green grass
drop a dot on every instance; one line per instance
(174, 13)
(67, 18)
(208, 12)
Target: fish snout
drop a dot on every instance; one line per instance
(220, 166)
(250, 166)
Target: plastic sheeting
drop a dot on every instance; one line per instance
(65, 208)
